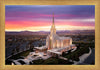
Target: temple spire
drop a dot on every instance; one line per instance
(53, 25)
(53, 30)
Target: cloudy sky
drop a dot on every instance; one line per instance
(39, 17)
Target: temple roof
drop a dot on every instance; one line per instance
(65, 38)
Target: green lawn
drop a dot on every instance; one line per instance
(51, 61)
(82, 48)
(17, 56)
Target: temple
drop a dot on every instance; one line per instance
(56, 44)
(55, 41)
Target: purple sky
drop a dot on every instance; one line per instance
(39, 17)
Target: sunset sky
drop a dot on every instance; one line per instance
(39, 17)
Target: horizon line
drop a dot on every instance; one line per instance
(46, 31)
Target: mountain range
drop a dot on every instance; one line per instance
(64, 32)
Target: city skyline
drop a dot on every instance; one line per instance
(39, 17)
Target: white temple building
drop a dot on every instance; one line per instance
(55, 41)
(56, 44)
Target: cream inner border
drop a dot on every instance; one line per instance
(49, 2)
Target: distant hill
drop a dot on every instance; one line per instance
(65, 32)
(27, 33)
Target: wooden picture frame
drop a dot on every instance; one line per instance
(49, 2)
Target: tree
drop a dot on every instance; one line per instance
(13, 52)
(63, 54)
(17, 49)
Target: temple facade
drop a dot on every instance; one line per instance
(56, 45)
(55, 41)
